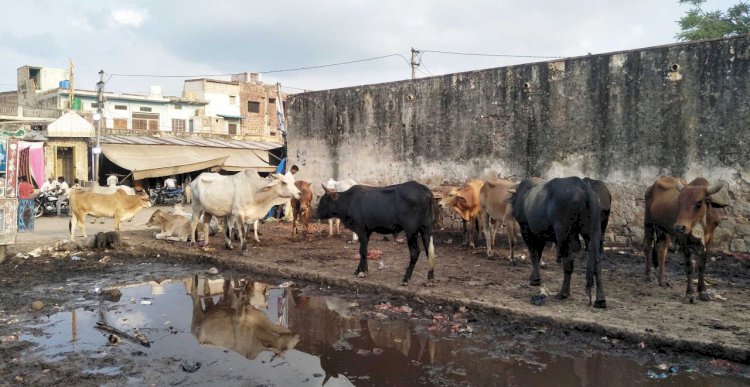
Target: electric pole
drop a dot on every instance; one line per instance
(414, 63)
(99, 104)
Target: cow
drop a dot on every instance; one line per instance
(605, 203)
(118, 205)
(239, 198)
(687, 214)
(301, 207)
(465, 202)
(386, 210)
(96, 188)
(173, 227)
(235, 324)
(558, 211)
(495, 210)
(338, 186)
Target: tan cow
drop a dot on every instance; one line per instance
(301, 207)
(465, 201)
(118, 205)
(687, 214)
(496, 211)
(173, 227)
(235, 324)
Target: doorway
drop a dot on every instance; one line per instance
(65, 163)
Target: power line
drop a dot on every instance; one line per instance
(496, 55)
(259, 72)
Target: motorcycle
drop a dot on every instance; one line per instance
(46, 203)
(167, 196)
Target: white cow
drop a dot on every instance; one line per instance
(238, 198)
(339, 186)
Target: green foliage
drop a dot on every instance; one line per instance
(698, 24)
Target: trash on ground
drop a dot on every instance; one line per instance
(381, 265)
(191, 367)
(77, 258)
(146, 302)
(538, 299)
(286, 284)
(212, 271)
(36, 253)
(37, 305)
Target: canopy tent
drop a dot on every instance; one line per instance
(157, 159)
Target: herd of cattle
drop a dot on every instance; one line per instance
(560, 211)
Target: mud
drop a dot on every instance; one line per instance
(644, 324)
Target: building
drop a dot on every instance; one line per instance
(258, 105)
(222, 111)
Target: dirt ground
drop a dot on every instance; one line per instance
(638, 313)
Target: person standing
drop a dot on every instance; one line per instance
(25, 205)
(170, 183)
(288, 206)
(62, 193)
(111, 180)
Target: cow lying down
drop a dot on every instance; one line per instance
(175, 226)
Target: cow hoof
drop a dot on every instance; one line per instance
(361, 274)
(246, 253)
(600, 304)
(561, 296)
(535, 282)
(404, 283)
(704, 296)
(689, 299)
(664, 284)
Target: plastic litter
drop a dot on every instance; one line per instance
(146, 302)
(212, 271)
(662, 366)
(286, 284)
(381, 265)
(674, 369)
(77, 258)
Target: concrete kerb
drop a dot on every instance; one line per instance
(677, 344)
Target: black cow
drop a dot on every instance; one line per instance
(605, 204)
(385, 210)
(558, 211)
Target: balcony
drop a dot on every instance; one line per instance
(14, 112)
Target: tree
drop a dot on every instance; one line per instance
(698, 24)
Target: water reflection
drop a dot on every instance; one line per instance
(235, 322)
(251, 333)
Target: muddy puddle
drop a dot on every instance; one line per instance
(238, 332)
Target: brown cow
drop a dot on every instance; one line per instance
(465, 201)
(118, 205)
(301, 207)
(496, 211)
(687, 214)
(173, 227)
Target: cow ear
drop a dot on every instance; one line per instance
(716, 202)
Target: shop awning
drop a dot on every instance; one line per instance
(147, 161)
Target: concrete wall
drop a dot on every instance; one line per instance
(625, 117)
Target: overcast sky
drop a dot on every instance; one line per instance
(222, 37)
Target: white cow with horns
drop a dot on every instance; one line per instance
(238, 198)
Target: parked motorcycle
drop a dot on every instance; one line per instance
(46, 203)
(166, 196)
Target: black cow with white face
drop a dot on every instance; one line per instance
(403, 207)
(558, 211)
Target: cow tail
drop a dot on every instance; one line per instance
(70, 225)
(427, 236)
(595, 232)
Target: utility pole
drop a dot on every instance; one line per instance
(99, 104)
(72, 94)
(414, 63)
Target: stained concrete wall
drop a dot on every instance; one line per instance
(625, 117)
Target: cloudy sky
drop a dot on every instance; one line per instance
(230, 36)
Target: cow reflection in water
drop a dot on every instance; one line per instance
(234, 323)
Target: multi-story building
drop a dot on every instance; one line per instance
(210, 114)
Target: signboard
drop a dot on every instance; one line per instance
(8, 184)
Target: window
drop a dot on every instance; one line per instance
(121, 123)
(146, 121)
(177, 107)
(232, 128)
(253, 107)
(272, 101)
(94, 105)
(232, 100)
(178, 125)
(145, 109)
(121, 107)
(191, 126)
